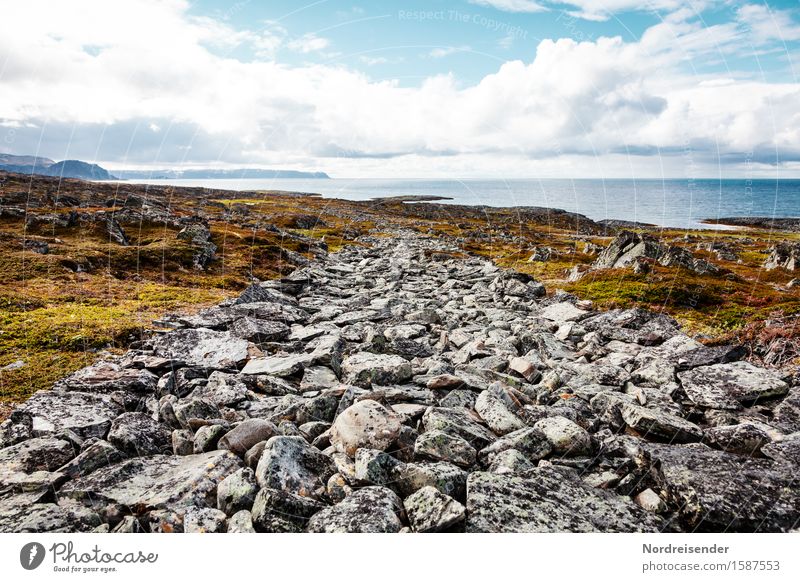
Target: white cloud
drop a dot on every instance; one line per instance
(444, 51)
(308, 43)
(768, 25)
(605, 99)
(511, 5)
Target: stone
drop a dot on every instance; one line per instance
(729, 386)
(281, 366)
(744, 439)
(237, 491)
(365, 424)
(204, 520)
(105, 376)
(367, 510)
(31, 456)
(277, 511)
(259, 330)
(458, 422)
(375, 467)
(445, 477)
(654, 423)
(510, 461)
(786, 450)
(246, 434)
(18, 515)
(290, 464)
(156, 482)
(241, 522)
(545, 500)
(562, 312)
(137, 435)
(429, 510)
(202, 348)
(717, 491)
(207, 437)
(531, 442)
(365, 368)
(650, 501)
(496, 414)
(86, 414)
(436, 445)
(784, 255)
(566, 437)
(182, 442)
(194, 411)
(97, 455)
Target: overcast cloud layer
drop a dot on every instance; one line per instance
(140, 83)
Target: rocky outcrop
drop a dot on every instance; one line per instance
(633, 249)
(390, 387)
(783, 255)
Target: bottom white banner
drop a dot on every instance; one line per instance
(353, 557)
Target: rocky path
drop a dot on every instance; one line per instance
(392, 388)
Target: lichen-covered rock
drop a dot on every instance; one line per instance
(365, 368)
(290, 464)
(365, 424)
(109, 377)
(510, 461)
(729, 386)
(97, 455)
(86, 414)
(21, 513)
(204, 520)
(203, 348)
(155, 482)
(445, 477)
(459, 422)
(367, 510)
(207, 437)
(566, 437)
(546, 500)
(717, 491)
(531, 442)
(652, 423)
(745, 439)
(137, 435)
(237, 491)
(19, 461)
(496, 414)
(241, 522)
(436, 445)
(375, 467)
(276, 511)
(430, 510)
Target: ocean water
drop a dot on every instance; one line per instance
(675, 203)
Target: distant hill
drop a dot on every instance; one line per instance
(211, 174)
(47, 167)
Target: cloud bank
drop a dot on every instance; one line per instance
(144, 83)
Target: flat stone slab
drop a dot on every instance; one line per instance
(87, 414)
(729, 386)
(545, 500)
(563, 312)
(715, 491)
(157, 482)
(203, 348)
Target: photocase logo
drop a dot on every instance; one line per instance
(31, 555)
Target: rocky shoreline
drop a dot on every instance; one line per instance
(391, 387)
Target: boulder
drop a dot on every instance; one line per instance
(436, 445)
(138, 435)
(729, 386)
(246, 434)
(430, 510)
(567, 438)
(365, 424)
(546, 500)
(367, 510)
(202, 348)
(290, 464)
(86, 414)
(365, 368)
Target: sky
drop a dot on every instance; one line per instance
(412, 89)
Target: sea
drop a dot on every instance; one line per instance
(681, 203)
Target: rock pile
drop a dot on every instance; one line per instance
(391, 388)
(632, 249)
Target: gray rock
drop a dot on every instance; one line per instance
(654, 423)
(19, 461)
(192, 412)
(109, 377)
(97, 455)
(365, 368)
(290, 464)
(247, 434)
(365, 424)
(204, 520)
(436, 445)
(138, 435)
(546, 500)
(237, 491)
(786, 450)
(367, 510)
(259, 330)
(182, 442)
(566, 437)
(429, 510)
(202, 348)
(458, 422)
(717, 491)
(157, 482)
(745, 439)
(277, 511)
(445, 477)
(281, 366)
(86, 414)
(241, 522)
(207, 437)
(531, 442)
(375, 467)
(510, 461)
(729, 386)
